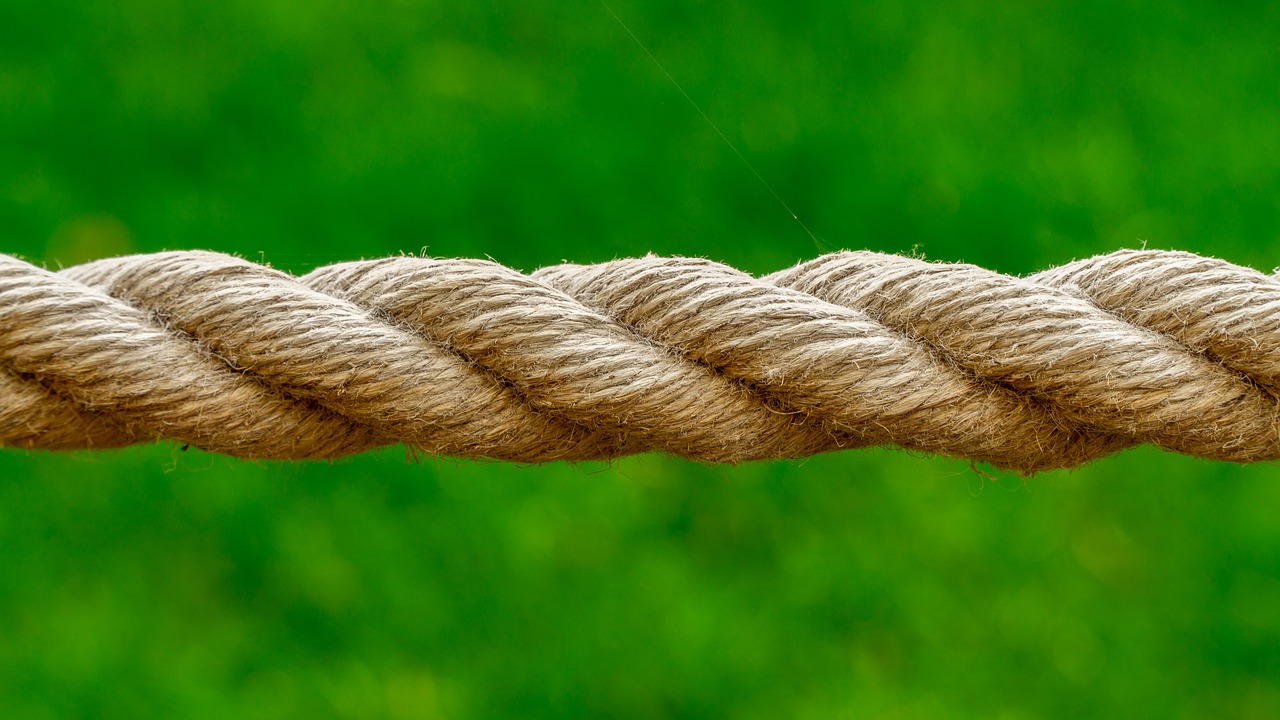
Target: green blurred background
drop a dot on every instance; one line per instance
(151, 582)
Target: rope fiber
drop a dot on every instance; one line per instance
(684, 356)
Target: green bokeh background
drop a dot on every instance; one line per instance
(152, 582)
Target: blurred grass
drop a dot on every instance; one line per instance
(155, 583)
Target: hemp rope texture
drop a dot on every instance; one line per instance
(685, 356)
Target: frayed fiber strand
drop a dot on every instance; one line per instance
(689, 357)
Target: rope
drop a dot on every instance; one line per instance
(689, 357)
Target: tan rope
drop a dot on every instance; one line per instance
(690, 357)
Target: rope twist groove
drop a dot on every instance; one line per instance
(690, 357)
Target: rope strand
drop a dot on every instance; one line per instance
(469, 358)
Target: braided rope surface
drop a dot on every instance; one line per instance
(685, 356)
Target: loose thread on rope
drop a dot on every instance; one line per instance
(684, 356)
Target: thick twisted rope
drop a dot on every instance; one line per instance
(689, 357)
